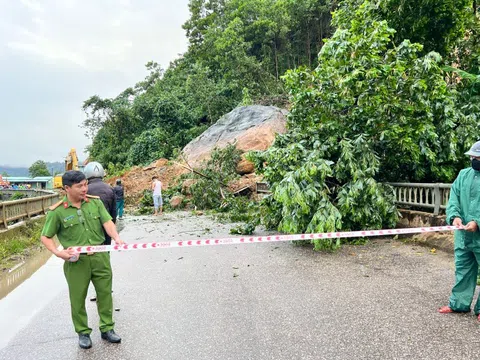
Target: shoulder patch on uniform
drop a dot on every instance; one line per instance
(93, 196)
(54, 206)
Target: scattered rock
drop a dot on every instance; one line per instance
(161, 163)
(186, 185)
(176, 201)
(250, 127)
(245, 167)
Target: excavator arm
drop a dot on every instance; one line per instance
(71, 163)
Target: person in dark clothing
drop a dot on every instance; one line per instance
(94, 173)
(120, 196)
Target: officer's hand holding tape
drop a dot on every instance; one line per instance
(67, 255)
(119, 241)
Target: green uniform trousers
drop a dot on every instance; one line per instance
(466, 271)
(97, 269)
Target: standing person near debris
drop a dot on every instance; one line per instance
(78, 220)
(464, 210)
(157, 195)
(120, 197)
(95, 173)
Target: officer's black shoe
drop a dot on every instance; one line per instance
(110, 336)
(84, 341)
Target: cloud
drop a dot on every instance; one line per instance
(32, 5)
(56, 54)
(96, 35)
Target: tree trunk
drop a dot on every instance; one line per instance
(308, 48)
(276, 57)
(320, 40)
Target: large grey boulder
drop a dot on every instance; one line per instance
(252, 127)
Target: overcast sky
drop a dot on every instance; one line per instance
(54, 54)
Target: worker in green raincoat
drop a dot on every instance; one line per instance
(463, 210)
(79, 220)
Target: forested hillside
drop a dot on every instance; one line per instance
(238, 52)
(384, 90)
(377, 108)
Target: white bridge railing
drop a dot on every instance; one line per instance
(428, 196)
(419, 195)
(24, 209)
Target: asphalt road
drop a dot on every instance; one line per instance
(255, 301)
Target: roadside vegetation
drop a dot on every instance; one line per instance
(20, 242)
(382, 91)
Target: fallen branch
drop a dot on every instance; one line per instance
(199, 173)
(221, 193)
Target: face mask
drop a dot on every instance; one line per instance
(476, 164)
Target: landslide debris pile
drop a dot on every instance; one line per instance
(248, 127)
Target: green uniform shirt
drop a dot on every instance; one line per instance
(464, 203)
(77, 227)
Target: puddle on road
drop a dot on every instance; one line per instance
(17, 275)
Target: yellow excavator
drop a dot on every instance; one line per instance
(71, 163)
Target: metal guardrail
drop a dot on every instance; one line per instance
(25, 208)
(27, 193)
(429, 196)
(421, 195)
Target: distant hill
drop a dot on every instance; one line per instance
(13, 171)
(53, 167)
(56, 167)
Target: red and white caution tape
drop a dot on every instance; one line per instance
(260, 239)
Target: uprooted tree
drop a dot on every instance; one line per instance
(373, 111)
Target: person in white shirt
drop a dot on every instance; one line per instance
(157, 195)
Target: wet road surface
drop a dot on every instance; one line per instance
(257, 301)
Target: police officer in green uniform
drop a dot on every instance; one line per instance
(464, 210)
(77, 220)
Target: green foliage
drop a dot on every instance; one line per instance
(38, 168)
(244, 229)
(115, 171)
(371, 111)
(28, 237)
(149, 146)
(238, 51)
(218, 171)
(147, 199)
(378, 104)
(435, 24)
(239, 209)
(146, 203)
(246, 100)
(17, 196)
(465, 79)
